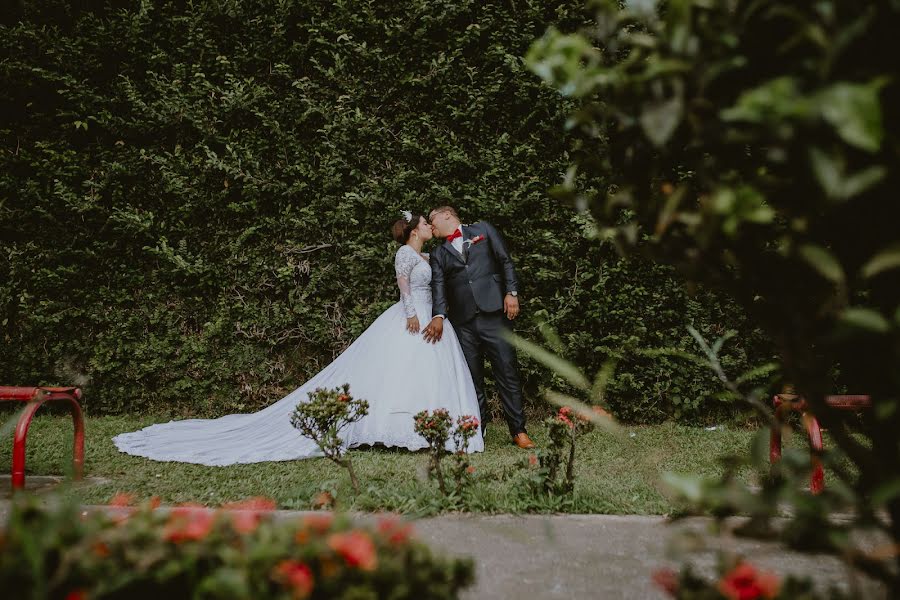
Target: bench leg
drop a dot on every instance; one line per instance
(775, 433)
(817, 477)
(18, 465)
(78, 443)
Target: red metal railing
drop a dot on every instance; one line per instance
(37, 397)
(788, 402)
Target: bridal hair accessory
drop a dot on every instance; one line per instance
(406, 215)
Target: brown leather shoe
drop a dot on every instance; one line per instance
(523, 441)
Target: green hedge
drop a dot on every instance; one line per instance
(194, 202)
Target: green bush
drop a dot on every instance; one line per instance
(194, 201)
(754, 146)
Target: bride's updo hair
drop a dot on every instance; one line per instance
(402, 229)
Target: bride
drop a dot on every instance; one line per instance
(390, 365)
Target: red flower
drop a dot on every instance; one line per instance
(470, 470)
(564, 415)
(532, 460)
(101, 549)
(343, 398)
(76, 595)
(122, 499)
(189, 522)
(320, 523)
(356, 548)
(744, 582)
(296, 575)
(394, 530)
(323, 499)
(154, 502)
(667, 580)
(246, 514)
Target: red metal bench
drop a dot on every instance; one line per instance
(787, 402)
(36, 397)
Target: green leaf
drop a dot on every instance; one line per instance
(602, 379)
(823, 261)
(865, 319)
(885, 409)
(886, 492)
(774, 100)
(855, 113)
(659, 120)
(558, 365)
(829, 172)
(886, 259)
(757, 373)
(689, 487)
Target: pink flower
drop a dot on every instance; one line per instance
(189, 522)
(532, 460)
(296, 575)
(320, 523)
(394, 530)
(468, 423)
(744, 582)
(356, 548)
(246, 514)
(122, 499)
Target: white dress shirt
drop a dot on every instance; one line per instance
(458, 242)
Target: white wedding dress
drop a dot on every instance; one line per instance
(398, 373)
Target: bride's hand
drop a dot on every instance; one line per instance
(412, 324)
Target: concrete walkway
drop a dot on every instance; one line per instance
(586, 556)
(597, 556)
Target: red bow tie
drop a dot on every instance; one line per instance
(454, 235)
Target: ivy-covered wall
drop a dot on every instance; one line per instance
(195, 201)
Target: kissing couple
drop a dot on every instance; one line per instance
(425, 352)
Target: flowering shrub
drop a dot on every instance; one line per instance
(192, 551)
(435, 428)
(324, 416)
(563, 429)
(738, 580)
(466, 429)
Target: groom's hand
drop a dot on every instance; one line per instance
(434, 330)
(511, 307)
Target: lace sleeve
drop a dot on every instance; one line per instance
(404, 263)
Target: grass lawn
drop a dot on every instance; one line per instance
(616, 474)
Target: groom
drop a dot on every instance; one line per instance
(474, 284)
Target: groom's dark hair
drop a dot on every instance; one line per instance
(448, 209)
